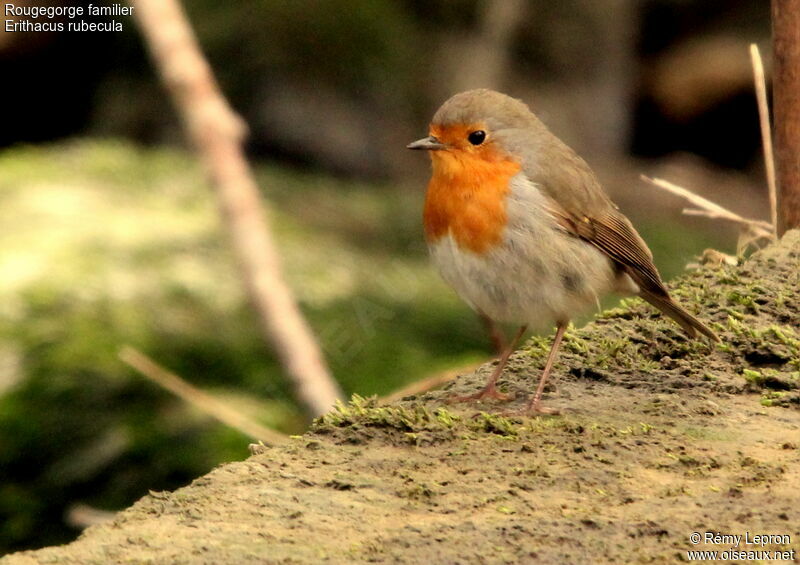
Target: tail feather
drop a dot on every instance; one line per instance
(689, 323)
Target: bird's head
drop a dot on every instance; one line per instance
(477, 126)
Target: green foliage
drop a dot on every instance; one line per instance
(351, 45)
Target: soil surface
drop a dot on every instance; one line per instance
(658, 437)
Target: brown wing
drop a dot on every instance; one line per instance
(613, 234)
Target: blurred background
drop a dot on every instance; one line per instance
(109, 232)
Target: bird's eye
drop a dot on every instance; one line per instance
(477, 137)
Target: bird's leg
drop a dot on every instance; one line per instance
(490, 390)
(495, 335)
(534, 404)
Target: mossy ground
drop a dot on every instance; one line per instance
(658, 437)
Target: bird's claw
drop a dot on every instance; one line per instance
(486, 393)
(531, 411)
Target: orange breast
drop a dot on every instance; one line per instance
(466, 198)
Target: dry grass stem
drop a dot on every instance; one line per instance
(766, 134)
(82, 516)
(764, 228)
(201, 400)
(707, 207)
(429, 383)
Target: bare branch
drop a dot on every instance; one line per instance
(217, 132)
(198, 398)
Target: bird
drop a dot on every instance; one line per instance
(519, 225)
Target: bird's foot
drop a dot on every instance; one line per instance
(541, 411)
(489, 392)
(532, 410)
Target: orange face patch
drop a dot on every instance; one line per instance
(467, 191)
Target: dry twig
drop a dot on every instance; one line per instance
(82, 516)
(217, 132)
(750, 232)
(707, 207)
(429, 383)
(198, 398)
(766, 134)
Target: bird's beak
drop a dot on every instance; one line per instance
(428, 143)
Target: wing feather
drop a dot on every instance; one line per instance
(613, 234)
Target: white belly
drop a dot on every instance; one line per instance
(538, 275)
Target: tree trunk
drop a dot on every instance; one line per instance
(786, 108)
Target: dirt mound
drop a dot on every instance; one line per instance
(659, 437)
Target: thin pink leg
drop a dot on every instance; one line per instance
(534, 404)
(495, 335)
(490, 390)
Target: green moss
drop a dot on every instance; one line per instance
(418, 491)
(410, 419)
(753, 377)
(708, 433)
(538, 346)
(727, 277)
(446, 418)
(634, 430)
(366, 412)
(784, 334)
(493, 424)
(739, 298)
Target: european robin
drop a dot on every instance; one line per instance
(518, 224)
